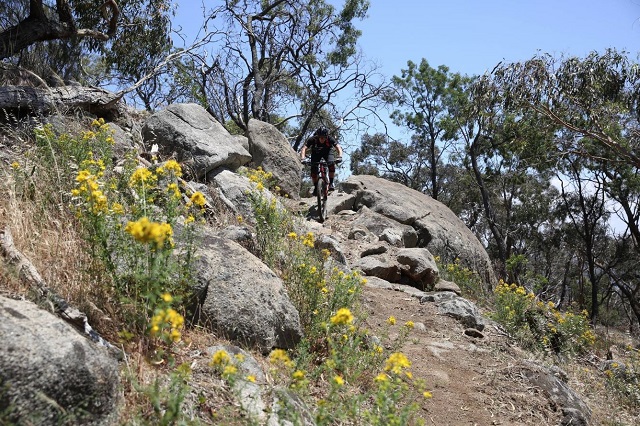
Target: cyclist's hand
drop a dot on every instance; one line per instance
(338, 160)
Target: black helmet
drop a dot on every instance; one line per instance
(322, 131)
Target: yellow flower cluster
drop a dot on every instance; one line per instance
(170, 167)
(146, 231)
(220, 358)
(308, 239)
(198, 199)
(89, 189)
(167, 322)
(504, 288)
(343, 316)
(173, 189)
(260, 178)
(279, 356)
(142, 177)
(396, 362)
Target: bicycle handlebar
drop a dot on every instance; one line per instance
(307, 161)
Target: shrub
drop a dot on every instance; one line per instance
(540, 325)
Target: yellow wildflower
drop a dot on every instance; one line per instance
(338, 380)
(142, 176)
(396, 362)
(391, 320)
(198, 199)
(279, 356)
(229, 370)
(382, 377)
(343, 316)
(308, 240)
(221, 357)
(173, 166)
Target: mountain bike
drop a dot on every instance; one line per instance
(322, 186)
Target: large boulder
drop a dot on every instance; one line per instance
(236, 192)
(242, 299)
(271, 151)
(383, 226)
(437, 227)
(419, 267)
(49, 373)
(201, 143)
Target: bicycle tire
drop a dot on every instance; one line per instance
(325, 193)
(320, 196)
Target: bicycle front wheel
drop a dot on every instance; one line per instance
(322, 208)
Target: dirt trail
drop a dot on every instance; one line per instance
(474, 381)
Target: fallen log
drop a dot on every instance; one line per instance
(28, 100)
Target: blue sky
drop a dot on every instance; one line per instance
(472, 36)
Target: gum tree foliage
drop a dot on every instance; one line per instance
(594, 101)
(422, 94)
(59, 20)
(118, 42)
(504, 153)
(283, 61)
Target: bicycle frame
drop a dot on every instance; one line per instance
(322, 187)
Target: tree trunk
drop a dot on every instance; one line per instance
(23, 100)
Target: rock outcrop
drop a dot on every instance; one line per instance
(49, 373)
(198, 141)
(436, 226)
(242, 299)
(270, 150)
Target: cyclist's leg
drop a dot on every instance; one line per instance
(315, 158)
(332, 169)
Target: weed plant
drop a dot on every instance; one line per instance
(540, 325)
(469, 282)
(623, 380)
(127, 216)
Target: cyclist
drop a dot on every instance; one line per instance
(321, 144)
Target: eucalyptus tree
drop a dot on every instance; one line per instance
(590, 97)
(594, 100)
(505, 151)
(380, 155)
(284, 61)
(421, 96)
(585, 207)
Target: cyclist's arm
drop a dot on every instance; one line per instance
(303, 152)
(339, 149)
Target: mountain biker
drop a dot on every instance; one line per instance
(321, 144)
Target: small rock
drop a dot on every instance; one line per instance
(472, 332)
(443, 285)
